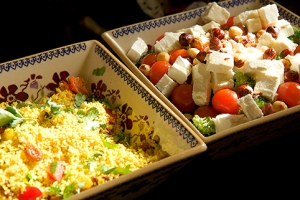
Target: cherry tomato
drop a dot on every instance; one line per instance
(149, 59)
(225, 101)
(182, 98)
(160, 37)
(77, 85)
(56, 170)
(31, 193)
(289, 92)
(206, 111)
(158, 70)
(228, 24)
(297, 50)
(179, 52)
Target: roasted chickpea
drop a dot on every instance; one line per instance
(234, 31)
(163, 56)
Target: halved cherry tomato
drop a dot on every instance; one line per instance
(206, 111)
(56, 170)
(77, 85)
(228, 24)
(149, 59)
(158, 70)
(179, 52)
(160, 37)
(182, 98)
(31, 193)
(289, 92)
(225, 101)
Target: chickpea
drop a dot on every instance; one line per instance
(235, 31)
(145, 69)
(193, 52)
(279, 106)
(164, 56)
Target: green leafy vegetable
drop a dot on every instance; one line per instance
(80, 99)
(54, 107)
(11, 117)
(118, 170)
(242, 79)
(296, 37)
(205, 125)
(260, 100)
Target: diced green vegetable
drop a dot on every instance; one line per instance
(242, 79)
(205, 125)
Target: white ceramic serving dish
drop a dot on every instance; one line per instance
(230, 140)
(29, 76)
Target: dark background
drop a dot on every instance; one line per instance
(265, 171)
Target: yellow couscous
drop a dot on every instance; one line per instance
(56, 149)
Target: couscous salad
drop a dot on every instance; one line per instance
(64, 144)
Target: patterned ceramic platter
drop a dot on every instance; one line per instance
(121, 39)
(33, 77)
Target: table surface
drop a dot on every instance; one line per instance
(269, 170)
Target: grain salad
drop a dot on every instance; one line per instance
(63, 145)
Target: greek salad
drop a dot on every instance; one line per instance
(227, 71)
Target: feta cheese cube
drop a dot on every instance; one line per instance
(295, 62)
(195, 30)
(226, 121)
(285, 28)
(206, 27)
(249, 107)
(138, 48)
(268, 15)
(253, 25)
(219, 62)
(222, 80)
(216, 13)
(267, 83)
(166, 85)
(252, 67)
(282, 43)
(201, 84)
(244, 16)
(169, 42)
(180, 70)
(265, 39)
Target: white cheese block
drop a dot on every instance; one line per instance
(252, 67)
(169, 42)
(216, 13)
(138, 48)
(244, 16)
(219, 62)
(180, 70)
(265, 39)
(206, 27)
(295, 62)
(252, 53)
(195, 30)
(285, 28)
(282, 43)
(222, 80)
(201, 84)
(268, 15)
(267, 83)
(253, 25)
(226, 121)
(166, 85)
(249, 107)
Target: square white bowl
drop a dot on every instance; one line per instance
(232, 139)
(21, 76)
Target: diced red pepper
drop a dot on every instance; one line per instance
(56, 170)
(31, 193)
(228, 24)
